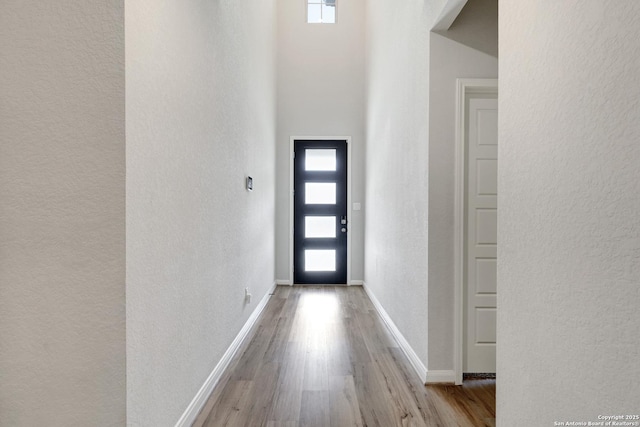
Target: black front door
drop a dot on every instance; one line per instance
(320, 212)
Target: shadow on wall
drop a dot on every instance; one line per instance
(476, 26)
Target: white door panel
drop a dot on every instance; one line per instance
(485, 275)
(486, 226)
(487, 132)
(481, 232)
(487, 177)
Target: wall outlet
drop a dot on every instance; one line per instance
(247, 295)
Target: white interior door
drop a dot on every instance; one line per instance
(481, 235)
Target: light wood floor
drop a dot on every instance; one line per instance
(321, 356)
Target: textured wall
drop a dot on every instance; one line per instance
(200, 117)
(450, 60)
(62, 214)
(568, 229)
(398, 164)
(321, 93)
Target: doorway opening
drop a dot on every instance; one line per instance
(475, 247)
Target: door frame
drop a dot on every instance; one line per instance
(464, 87)
(292, 140)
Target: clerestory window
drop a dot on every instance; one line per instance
(321, 11)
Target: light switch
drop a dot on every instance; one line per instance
(356, 206)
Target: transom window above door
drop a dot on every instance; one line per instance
(321, 11)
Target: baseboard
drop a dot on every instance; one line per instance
(198, 402)
(356, 283)
(418, 366)
(441, 377)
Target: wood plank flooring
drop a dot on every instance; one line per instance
(321, 356)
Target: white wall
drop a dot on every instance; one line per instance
(200, 117)
(320, 93)
(568, 229)
(398, 163)
(476, 26)
(451, 58)
(62, 217)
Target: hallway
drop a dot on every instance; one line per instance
(321, 356)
